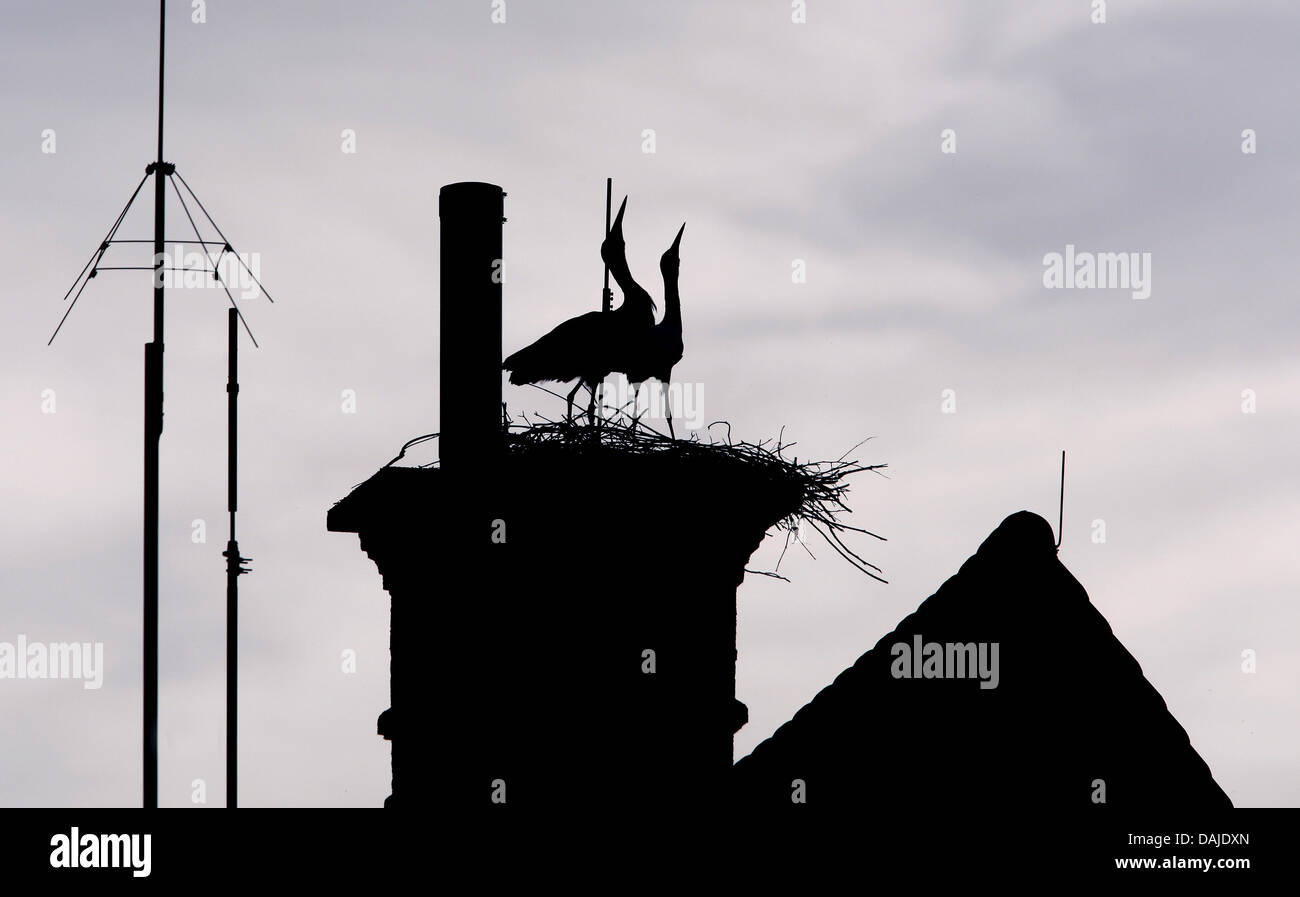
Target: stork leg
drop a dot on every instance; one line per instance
(591, 404)
(636, 405)
(569, 400)
(668, 408)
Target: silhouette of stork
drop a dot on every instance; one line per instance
(661, 348)
(590, 347)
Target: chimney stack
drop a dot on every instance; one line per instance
(471, 216)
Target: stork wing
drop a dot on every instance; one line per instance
(575, 348)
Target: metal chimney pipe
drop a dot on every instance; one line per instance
(471, 216)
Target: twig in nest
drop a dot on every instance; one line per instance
(812, 492)
(767, 573)
(815, 490)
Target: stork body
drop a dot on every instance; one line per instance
(661, 347)
(591, 346)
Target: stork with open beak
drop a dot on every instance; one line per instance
(590, 347)
(662, 346)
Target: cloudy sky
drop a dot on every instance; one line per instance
(776, 142)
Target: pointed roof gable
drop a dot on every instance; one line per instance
(1070, 709)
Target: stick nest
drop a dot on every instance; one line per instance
(809, 493)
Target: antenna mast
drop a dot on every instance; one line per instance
(153, 424)
(234, 564)
(153, 417)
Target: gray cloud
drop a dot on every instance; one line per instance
(775, 142)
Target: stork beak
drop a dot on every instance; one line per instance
(617, 226)
(677, 242)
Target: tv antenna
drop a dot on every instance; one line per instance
(164, 172)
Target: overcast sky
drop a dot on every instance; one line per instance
(775, 141)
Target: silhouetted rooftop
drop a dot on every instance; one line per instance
(1071, 707)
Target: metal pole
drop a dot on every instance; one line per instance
(1060, 520)
(606, 297)
(153, 423)
(233, 566)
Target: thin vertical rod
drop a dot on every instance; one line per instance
(1060, 520)
(153, 415)
(232, 566)
(606, 297)
(159, 194)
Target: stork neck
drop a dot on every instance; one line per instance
(672, 300)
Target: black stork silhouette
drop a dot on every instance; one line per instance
(590, 347)
(661, 348)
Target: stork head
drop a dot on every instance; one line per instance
(670, 260)
(615, 248)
